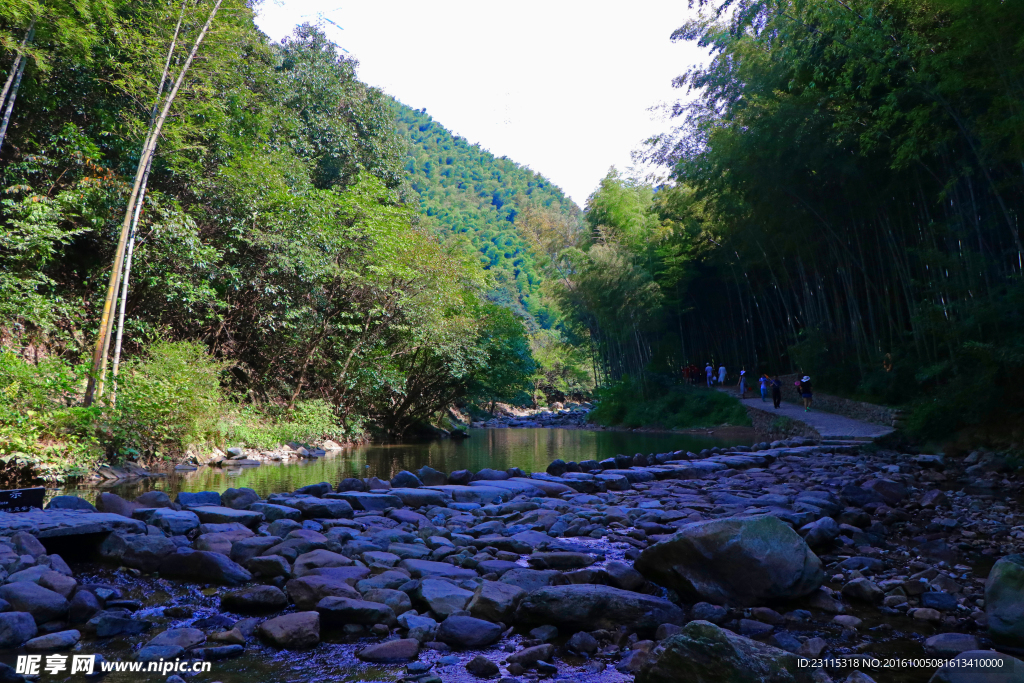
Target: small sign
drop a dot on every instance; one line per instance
(21, 500)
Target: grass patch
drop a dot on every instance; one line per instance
(666, 405)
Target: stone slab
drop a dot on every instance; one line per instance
(56, 523)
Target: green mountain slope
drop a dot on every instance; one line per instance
(468, 190)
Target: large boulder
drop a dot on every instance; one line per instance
(339, 611)
(16, 628)
(42, 603)
(586, 607)
(497, 601)
(296, 631)
(1004, 601)
(709, 654)
(735, 561)
(145, 553)
(441, 597)
(203, 566)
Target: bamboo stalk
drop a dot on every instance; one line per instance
(103, 340)
(21, 61)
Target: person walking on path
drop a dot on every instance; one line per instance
(764, 388)
(743, 383)
(777, 391)
(709, 371)
(721, 375)
(806, 392)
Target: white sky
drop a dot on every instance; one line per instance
(561, 86)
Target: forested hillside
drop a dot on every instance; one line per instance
(279, 289)
(468, 191)
(845, 200)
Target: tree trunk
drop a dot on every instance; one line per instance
(103, 339)
(17, 69)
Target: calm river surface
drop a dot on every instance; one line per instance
(529, 449)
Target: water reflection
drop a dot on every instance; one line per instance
(529, 449)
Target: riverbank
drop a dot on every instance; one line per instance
(441, 577)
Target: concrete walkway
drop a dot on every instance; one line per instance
(829, 425)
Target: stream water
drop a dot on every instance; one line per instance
(529, 449)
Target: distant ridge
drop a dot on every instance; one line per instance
(466, 189)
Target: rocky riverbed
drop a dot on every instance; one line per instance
(731, 564)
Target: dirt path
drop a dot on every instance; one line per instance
(829, 425)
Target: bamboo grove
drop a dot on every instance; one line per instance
(844, 198)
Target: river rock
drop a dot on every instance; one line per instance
(273, 512)
(113, 503)
(145, 553)
(309, 590)
(70, 503)
(820, 533)
(269, 566)
(186, 499)
(468, 632)
(296, 631)
(532, 579)
(579, 607)
(244, 550)
(320, 508)
(239, 499)
(170, 521)
(422, 569)
(481, 667)
(338, 611)
(42, 603)
(950, 644)
(583, 643)
(109, 623)
(405, 480)
(318, 559)
(497, 601)
(154, 499)
(184, 638)
(390, 651)
(442, 597)
(431, 477)
(864, 590)
(84, 606)
(204, 567)
(16, 628)
(52, 642)
(742, 561)
(254, 600)
(710, 654)
(398, 601)
(1004, 601)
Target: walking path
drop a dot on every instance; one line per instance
(829, 425)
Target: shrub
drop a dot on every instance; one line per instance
(38, 423)
(170, 399)
(309, 422)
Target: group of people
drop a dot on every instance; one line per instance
(768, 384)
(774, 385)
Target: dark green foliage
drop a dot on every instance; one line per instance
(660, 402)
(846, 202)
(466, 190)
(273, 238)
